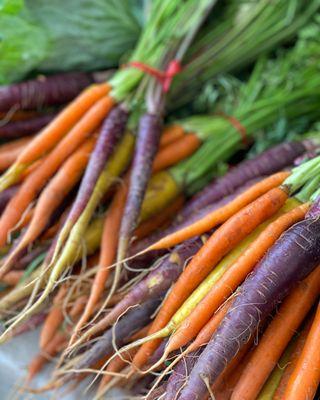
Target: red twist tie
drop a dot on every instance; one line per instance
(237, 125)
(163, 77)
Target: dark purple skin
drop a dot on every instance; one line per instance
(134, 320)
(18, 129)
(43, 91)
(314, 211)
(111, 132)
(149, 132)
(266, 163)
(180, 374)
(177, 224)
(6, 196)
(295, 255)
(157, 281)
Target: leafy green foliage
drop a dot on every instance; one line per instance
(59, 35)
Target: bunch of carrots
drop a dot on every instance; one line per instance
(147, 264)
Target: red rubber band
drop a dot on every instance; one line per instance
(163, 77)
(237, 125)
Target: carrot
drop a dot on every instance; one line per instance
(147, 143)
(233, 277)
(54, 318)
(223, 387)
(111, 132)
(78, 306)
(72, 249)
(218, 245)
(109, 243)
(52, 348)
(151, 224)
(276, 338)
(54, 193)
(44, 91)
(299, 251)
(297, 347)
(264, 164)
(201, 340)
(119, 362)
(207, 331)
(12, 278)
(270, 386)
(18, 129)
(222, 214)
(305, 378)
(171, 134)
(38, 178)
(114, 367)
(176, 151)
(80, 115)
(10, 151)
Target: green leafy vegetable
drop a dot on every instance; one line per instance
(62, 35)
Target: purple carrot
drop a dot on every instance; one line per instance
(6, 196)
(17, 129)
(295, 254)
(178, 223)
(146, 147)
(134, 320)
(111, 131)
(43, 91)
(265, 163)
(157, 281)
(180, 374)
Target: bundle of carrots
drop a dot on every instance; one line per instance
(150, 265)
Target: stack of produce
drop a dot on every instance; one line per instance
(152, 264)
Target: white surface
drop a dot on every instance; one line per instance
(14, 358)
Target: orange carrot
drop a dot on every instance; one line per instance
(68, 117)
(151, 224)
(53, 348)
(171, 134)
(218, 245)
(233, 277)
(292, 362)
(176, 151)
(53, 229)
(222, 214)
(54, 318)
(305, 378)
(108, 252)
(119, 362)
(78, 306)
(207, 331)
(12, 278)
(53, 195)
(275, 339)
(9, 152)
(223, 387)
(115, 366)
(38, 178)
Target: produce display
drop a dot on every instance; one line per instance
(160, 196)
